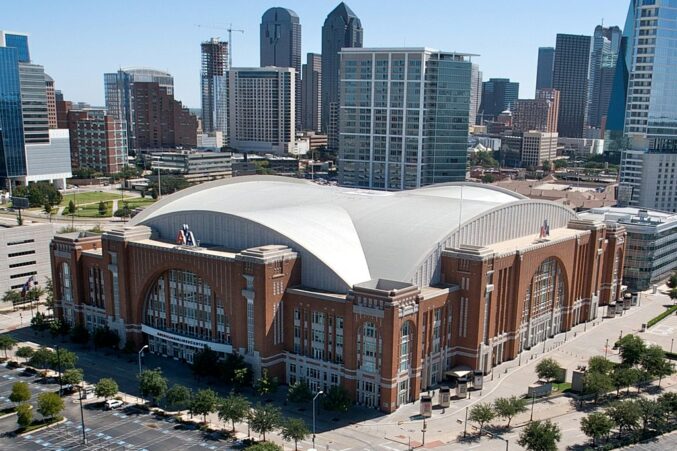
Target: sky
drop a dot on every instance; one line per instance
(77, 41)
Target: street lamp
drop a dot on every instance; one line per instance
(314, 398)
(425, 427)
(533, 400)
(82, 417)
(58, 358)
(465, 425)
(140, 353)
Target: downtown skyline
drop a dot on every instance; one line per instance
(508, 44)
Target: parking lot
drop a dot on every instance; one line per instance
(127, 428)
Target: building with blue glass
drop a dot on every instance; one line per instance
(404, 117)
(12, 161)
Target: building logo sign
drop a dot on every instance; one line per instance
(185, 237)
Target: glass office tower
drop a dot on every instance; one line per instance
(12, 161)
(404, 117)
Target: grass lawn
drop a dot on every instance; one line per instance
(92, 211)
(135, 202)
(89, 197)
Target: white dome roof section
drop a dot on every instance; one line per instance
(345, 236)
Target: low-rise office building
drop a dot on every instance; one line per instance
(341, 286)
(195, 167)
(24, 254)
(651, 243)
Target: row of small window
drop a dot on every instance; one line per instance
(18, 254)
(14, 243)
(24, 274)
(18, 265)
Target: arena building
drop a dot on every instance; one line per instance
(381, 292)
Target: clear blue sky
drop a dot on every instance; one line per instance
(78, 40)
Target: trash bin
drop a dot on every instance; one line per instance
(444, 397)
(426, 406)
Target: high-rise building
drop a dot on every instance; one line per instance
(341, 29)
(570, 78)
(539, 114)
(98, 141)
(31, 152)
(546, 63)
(160, 121)
(118, 89)
(213, 80)
(311, 111)
(606, 43)
(51, 102)
(281, 46)
(538, 147)
(475, 93)
(648, 178)
(498, 95)
(62, 108)
(262, 109)
(401, 136)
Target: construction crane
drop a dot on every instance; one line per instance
(230, 30)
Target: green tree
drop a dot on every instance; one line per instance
(547, 166)
(651, 413)
(336, 399)
(481, 414)
(20, 392)
(79, 334)
(204, 362)
(673, 294)
(179, 396)
(70, 209)
(625, 414)
(599, 364)
(596, 425)
(42, 358)
(50, 404)
(668, 402)
(266, 385)
(265, 418)
(653, 361)
(241, 376)
(623, 377)
(12, 297)
(597, 384)
(204, 402)
(106, 388)
(152, 383)
(25, 352)
(104, 337)
(67, 359)
(234, 408)
(103, 209)
(24, 415)
(7, 343)
(295, 429)
(540, 436)
(39, 322)
(264, 446)
(47, 208)
(72, 376)
(631, 348)
(49, 292)
(299, 392)
(548, 369)
(488, 178)
(509, 407)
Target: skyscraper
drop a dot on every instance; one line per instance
(341, 29)
(118, 90)
(570, 78)
(51, 101)
(546, 63)
(475, 93)
(213, 79)
(281, 46)
(539, 114)
(29, 150)
(498, 95)
(606, 43)
(648, 178)
(262, 109)
(402, 136)
(311, 110)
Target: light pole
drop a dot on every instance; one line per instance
(425, 427)
(533, 400)
(82, 417)
(465, 425)
(606, 348)
(58, 358)
(671, 344)
(314, 399)
(140, 353)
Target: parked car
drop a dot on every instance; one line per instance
(113, 404)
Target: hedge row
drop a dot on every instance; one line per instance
(662, 316)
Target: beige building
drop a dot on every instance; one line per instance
(538, 147)
(539, 113)
(24, 254)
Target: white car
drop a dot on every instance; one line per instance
(113, 404)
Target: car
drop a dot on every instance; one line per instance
(113, 404)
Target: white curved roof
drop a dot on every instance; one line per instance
(358, 235)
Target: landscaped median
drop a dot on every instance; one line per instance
(669, 311)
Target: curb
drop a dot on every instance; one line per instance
(47, 426)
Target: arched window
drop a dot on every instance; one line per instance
(181, 302)
(406, 342)
(369, 348)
